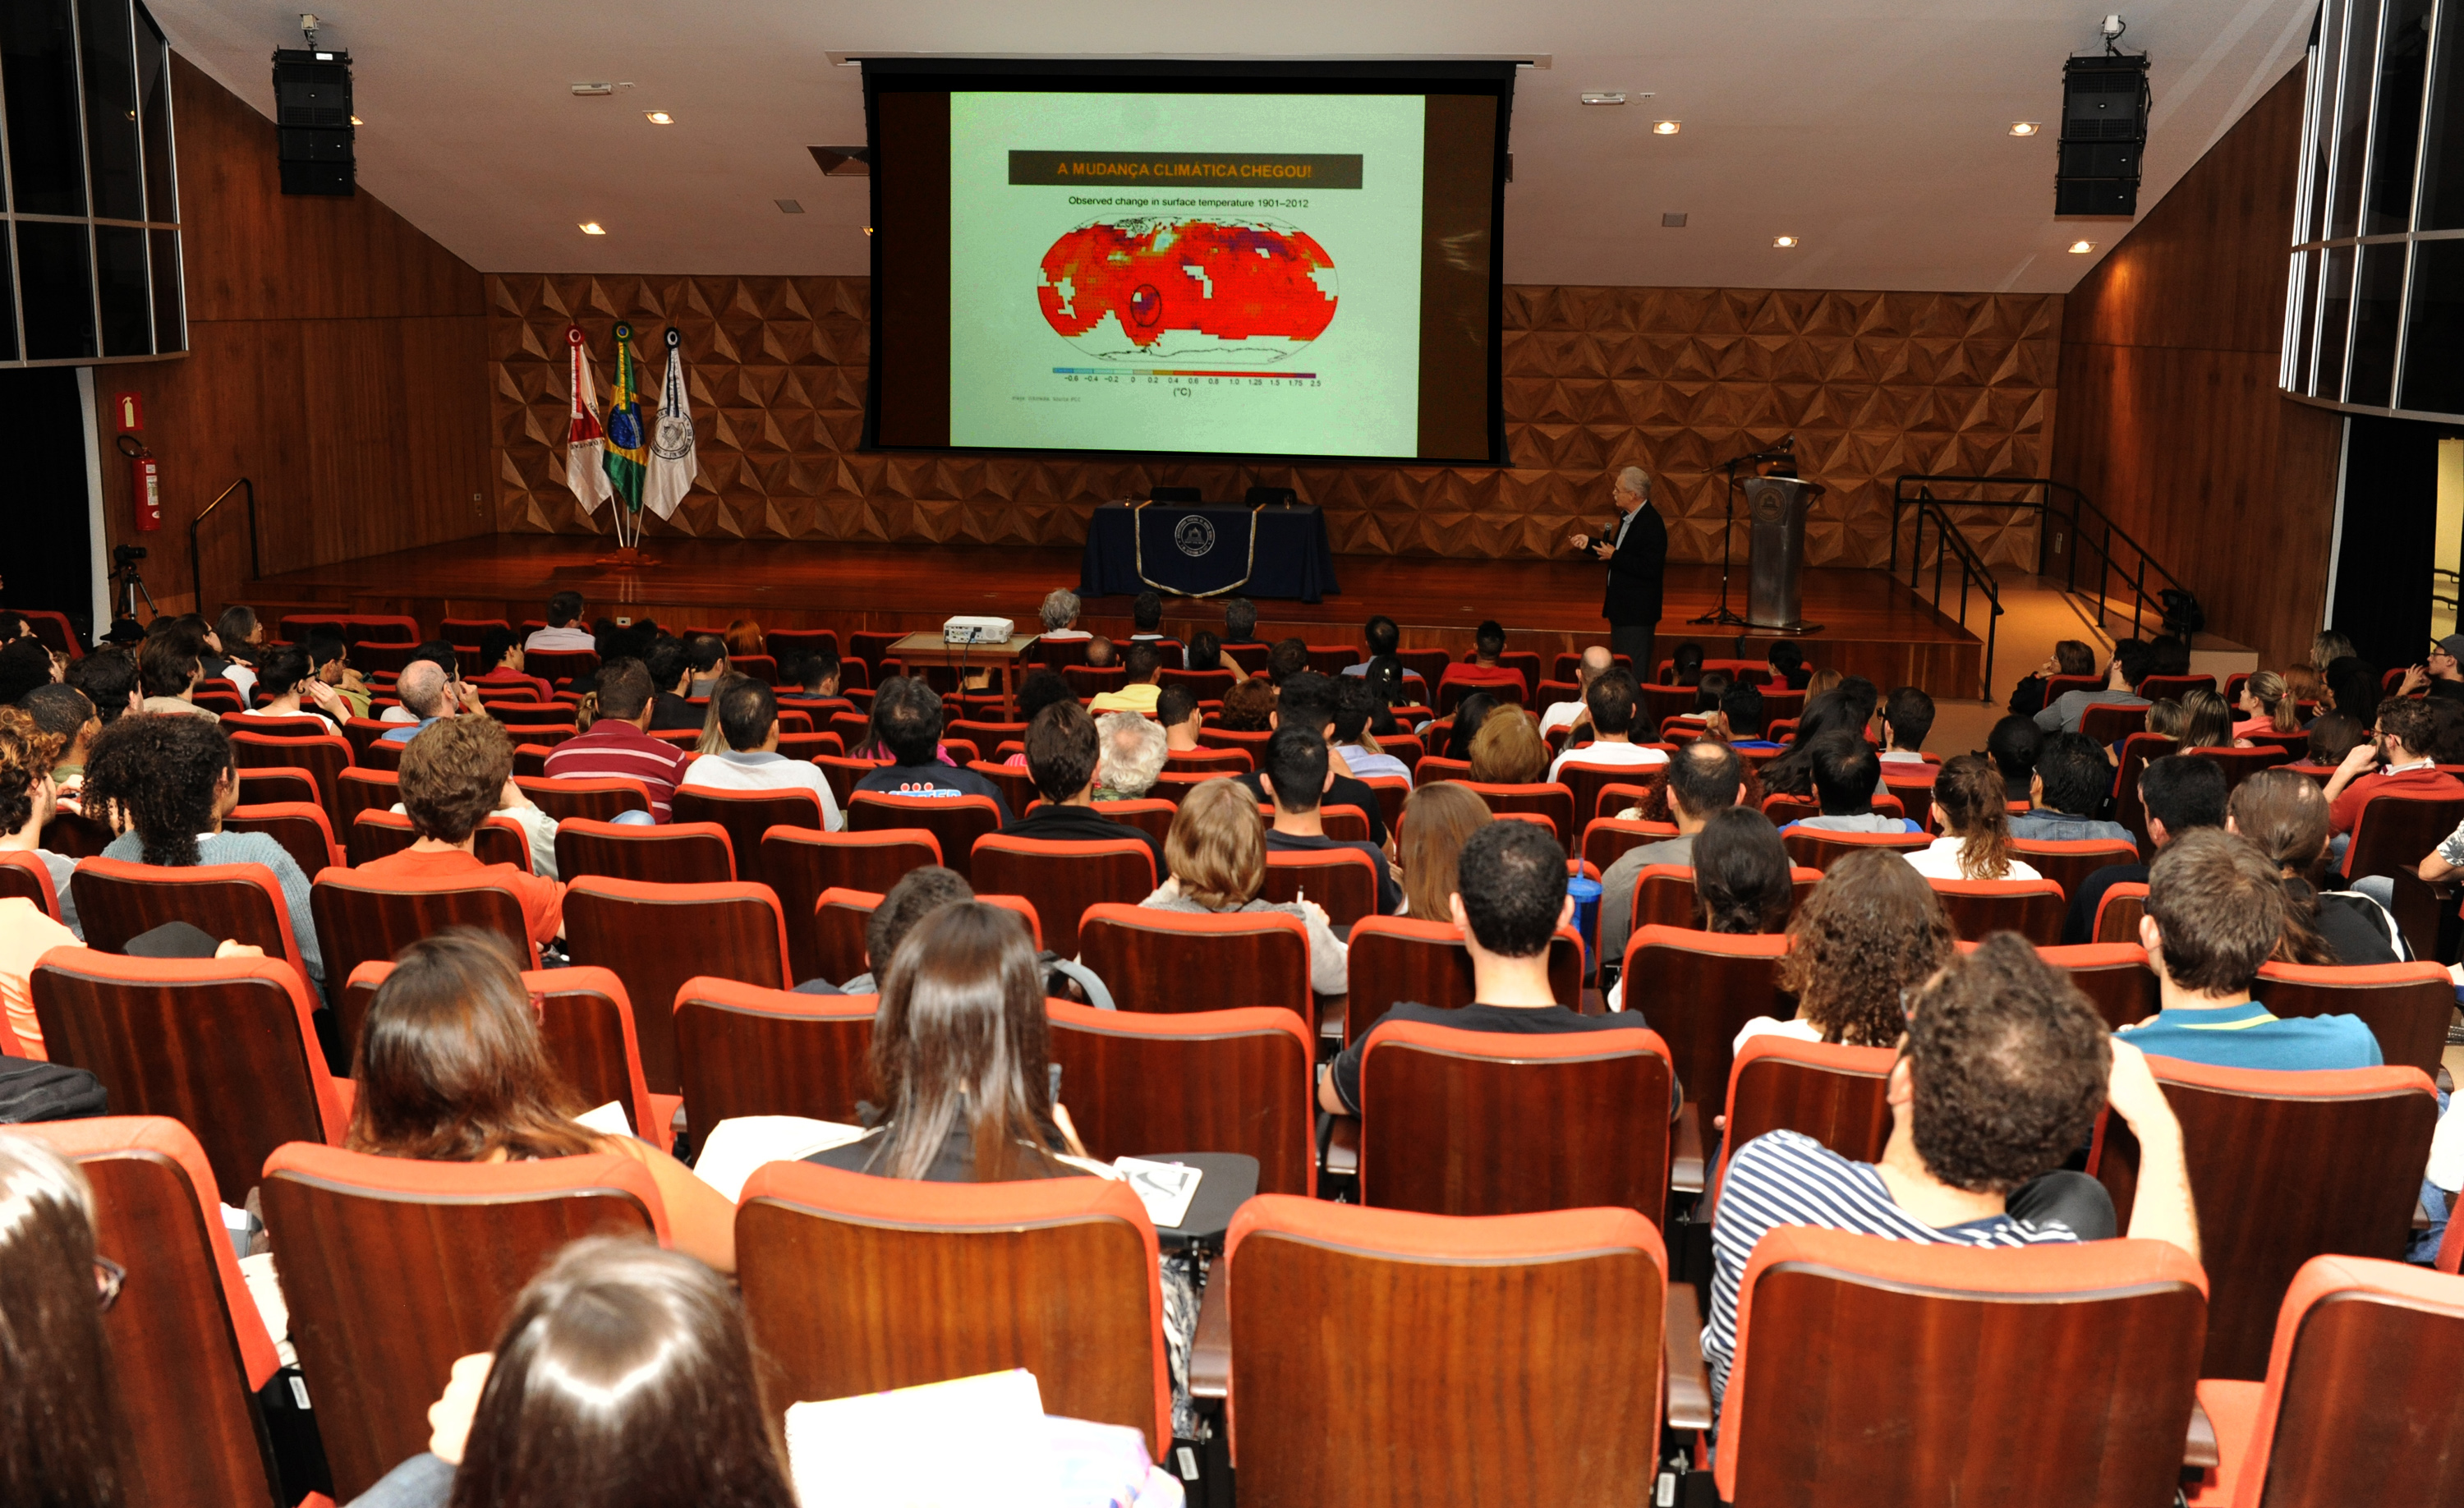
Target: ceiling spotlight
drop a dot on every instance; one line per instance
(1783, 242)
(2026, 127)
(355, 120)
(592, 228)
(1604, 97)
(1665, 127)
(2081, 248)
(659, 118)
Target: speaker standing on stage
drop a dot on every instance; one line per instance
(1637, 552)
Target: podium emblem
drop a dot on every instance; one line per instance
(1194, 535)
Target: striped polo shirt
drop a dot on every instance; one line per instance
(620, 751)
(1786, 1178)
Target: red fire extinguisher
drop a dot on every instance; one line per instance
(145, 483)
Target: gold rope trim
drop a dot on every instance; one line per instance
(1138, 554)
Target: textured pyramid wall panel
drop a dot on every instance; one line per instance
(1674, 380)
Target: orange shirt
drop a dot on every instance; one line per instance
(26, 935)
(542, 899)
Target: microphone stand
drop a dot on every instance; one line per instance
(1722, 614)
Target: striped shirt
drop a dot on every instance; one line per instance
(620, 751)
(1786, 1178)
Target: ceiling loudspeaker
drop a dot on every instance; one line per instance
(312, 121)
(2105, 134)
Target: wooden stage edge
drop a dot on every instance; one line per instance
(1872, 626)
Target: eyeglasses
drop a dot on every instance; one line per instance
(109, 1277)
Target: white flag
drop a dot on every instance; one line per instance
(674, 461)
(584, 440)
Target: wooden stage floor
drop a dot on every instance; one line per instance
(1872, 626)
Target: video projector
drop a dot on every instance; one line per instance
(976, 631)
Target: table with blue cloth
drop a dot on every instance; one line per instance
(1207, 549)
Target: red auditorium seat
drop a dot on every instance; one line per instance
(1664, 894)
(2068, 864)
(2114, 976)
(1066, 878)
(853, 1284)
(1344, 881)
(957, 822)
(656, 937)
(599, 799)
(675, 853)
(2034, 909)
(1174, 961)
(1698, 989)
(1607, 839)
(361, 789)
(393, 1268)
(226, 1046)
(1817, 850)
(1519, 1356)
(1586, 782)
(2389, 837)
(303, 830)
(2284, 1166)
(496, 840)
(842, 916)
(2406, 1006)
(1395, 958)
(115, 901)
(325, 757)
(1479, 1123)
(746, 814)
(803, 863)
(362, 917)
(748, 1050)
(2117, 913)
(1239, 1082)
(1017, 787)
(26, 876)
(1837, 1094)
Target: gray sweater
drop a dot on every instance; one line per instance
(1330, 960)
(249, 848)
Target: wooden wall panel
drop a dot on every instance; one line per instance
(1596, 379)
(2170, 416)
(338, 358)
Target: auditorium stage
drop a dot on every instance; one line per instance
(1872, 626)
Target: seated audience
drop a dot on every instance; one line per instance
(2216, 912)
(1509, 748)
(64, 712)
(1595, 662)
(109, 679)
(436, 652)
(713, 739)
(1829, 712)
(2072, 779)
(1788, 668)
(2400, 758)
(452, 1069)
(2132, 663)
(1464, 726)
(815, 679)
(500, 666)
(2266, 706)
(563, 631)
(1139, 693)
(1508, 902)
(24, 664)
(1177, 713)
(1354, 743)
(1249, 707)
(1826, 679)
(1042, 688)
(1063, 753)
(1133, 757)
(2169, 654)
(1437, 820)
(170, 781)
(1205, 652)
(1295, 775)
(1240, 624)
(62, 1437)
(2180, 792)
(743, 636)
(1100, 655)
(2353, 688)
(2285, 815)
(618, 745)
(2165, 718)
(26, 932)
(1217, 853)
(1741, 720)
(1705, 779)
(707, 655)
(1611, 702)
(671, 667)
(291, 691)
(918, 893)
(1146, 617)
(2003, 1071)
(2207, 721)
(1307, 701)
(2014, 746)
(1907, 717)
(2332, 737)
(1288, 658)
(1863, 699)
(453, 776)
(1708, 692)
(2438, 675)
(907, 720)
(330, 661)
(1383, 638)
(1742, 875)
(1684, 666)
(1872, 933)
(1974, 823)
(429, 693)
(168, 671)
(2326, 647)
(1844, 771)
(747, 714)
(1059, 615)
(1483, 669)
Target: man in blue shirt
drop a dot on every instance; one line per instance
(2215, 909)
(2071, 782)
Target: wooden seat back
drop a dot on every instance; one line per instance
(1837, 1094)
(957, 822)
(496, 840)
(803, 865)
(1664, 894)
(2389, 837)
(2034, 909)
(2118, 912)
(2069, 863)
(1342, 880)
(115, 901)
(676, 853)
(1399, 958)
(2114, 976)
(747, 815)
(1138, 1084)
(1175, 961)
(659, 937)
(600, 800)
(2406, 1006)
(1066, 878)
(748, 1050)
(362, 917)
(1817, 850)
(303, 830)
(1698, 989)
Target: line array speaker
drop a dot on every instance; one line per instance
(311, 118)
(2104, 133)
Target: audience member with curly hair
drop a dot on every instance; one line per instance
(1870, 932)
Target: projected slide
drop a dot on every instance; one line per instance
(1228, 272)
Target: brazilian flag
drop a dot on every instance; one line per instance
(627, 456)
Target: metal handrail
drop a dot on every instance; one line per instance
(196, 562)
(2106, 535)
(1974, 575)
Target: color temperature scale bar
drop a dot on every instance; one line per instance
(1161, 371)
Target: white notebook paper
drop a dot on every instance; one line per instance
(734, 1148)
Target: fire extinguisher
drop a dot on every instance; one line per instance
(145, 483)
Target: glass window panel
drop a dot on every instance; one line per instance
(111, 110)
(7, 312)
(2404, 68)
(56, 262)
(2322, 144)
(2335, 319)
(170, 323)
(2378, 307)
(2299, 313)
(2433, 348)
(38, 70)
(154, 116)
(126, 297)
(2442, 152)
(2353, 121)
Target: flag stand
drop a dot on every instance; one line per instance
(628, 554)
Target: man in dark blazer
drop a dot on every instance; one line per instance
(1637, 551)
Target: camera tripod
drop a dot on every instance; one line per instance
(127, 585)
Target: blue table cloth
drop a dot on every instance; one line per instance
(1208, 550)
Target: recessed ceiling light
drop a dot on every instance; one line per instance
(659, 118)
(789, 206)
(1783, 242)
(1665, 127)
(1603, 97)
(592, 228)
(2026, 127)
(2081, 248)
(355, 120)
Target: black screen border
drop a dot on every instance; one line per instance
(1196, 76)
